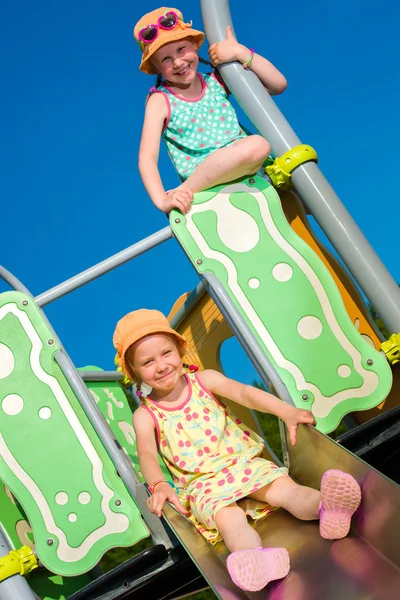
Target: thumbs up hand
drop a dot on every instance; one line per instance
(228, 50)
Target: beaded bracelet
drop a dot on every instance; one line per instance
(248, 61)
(153, 485)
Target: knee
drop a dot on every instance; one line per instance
(281, 491)
(228, 515)
(259, 149)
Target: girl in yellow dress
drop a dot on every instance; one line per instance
(215, 460)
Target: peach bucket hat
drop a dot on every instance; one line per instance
(136, 325)
(180, 31)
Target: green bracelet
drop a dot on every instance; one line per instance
(153, 485)
(172, 484)
(248, 61)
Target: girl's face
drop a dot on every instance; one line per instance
(156, 361)
(177, 62)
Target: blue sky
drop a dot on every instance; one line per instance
(72, 105)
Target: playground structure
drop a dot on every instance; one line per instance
(302, 322)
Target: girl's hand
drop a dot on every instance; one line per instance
(180, 198)
(228, 50)
(293, 419)
(164, 493)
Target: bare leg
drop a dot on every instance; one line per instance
(232, 524)
(250, 566)
(244, 157)
(302, 502)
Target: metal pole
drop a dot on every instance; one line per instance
(265, 369)
(247, 340)
(104, 267)
(345, 235)
(15, 587)
(121, 461)
(252, 348)
(101, 375)
(13, 281)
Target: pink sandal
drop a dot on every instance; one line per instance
(340, 498)
(251, 570)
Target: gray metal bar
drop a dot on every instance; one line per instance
(212, 283)
(188, 305)
(250, 345)
(284, 443)
(16, 587)
(101, 375)
(348, 240)
(247, 339)
(13, 281)
(120, 460)
(104, 267)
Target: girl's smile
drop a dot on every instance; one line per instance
(177, 61)
(183, 71)
(157, 362)
(165, 375)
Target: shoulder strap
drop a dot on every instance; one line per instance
(217, 76)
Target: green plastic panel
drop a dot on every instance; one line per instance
(19, 533)
(113, 403)
(287, 297)
(50, 456)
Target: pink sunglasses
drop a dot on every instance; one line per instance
(149, 33)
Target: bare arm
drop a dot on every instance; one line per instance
(148, 461)
(252, 397)
(246, 395)
(155, 115)
(149, 150)
(230, 50)
(146, 445)
(270, 77)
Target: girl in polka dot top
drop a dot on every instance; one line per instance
(192, 112)
(219, 475)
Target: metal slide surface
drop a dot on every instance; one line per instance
(363, 566)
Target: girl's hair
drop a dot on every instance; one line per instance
(205, 62)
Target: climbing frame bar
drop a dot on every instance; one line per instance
(121, 461)
(16, 587)
(350, 243)
(104, 267)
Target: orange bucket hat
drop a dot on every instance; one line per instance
(136, 325)
(180, 31)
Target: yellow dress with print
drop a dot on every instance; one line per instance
(214, 458)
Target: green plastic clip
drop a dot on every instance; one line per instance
(17, 562)
(392, 348)
(281, 170)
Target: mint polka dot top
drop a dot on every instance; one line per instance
(197, 127)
